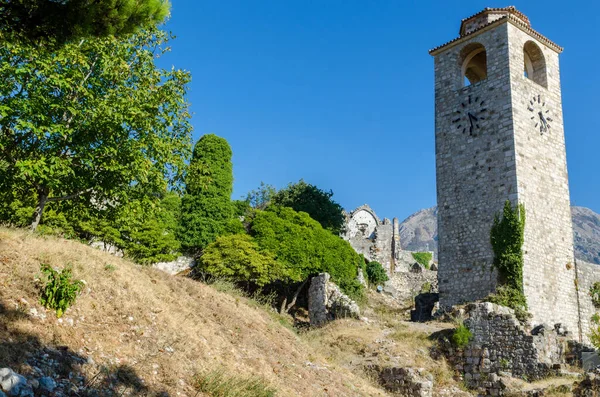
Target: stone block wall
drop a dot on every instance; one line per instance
(542, 184)
(502, 346)
(511, 155)
(476, 173)
(326, 302)
(587, 275)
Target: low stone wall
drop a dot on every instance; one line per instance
(405, 381)
(502, 346)
(404, 286)
(326, 302)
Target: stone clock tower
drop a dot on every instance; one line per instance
(499, 136)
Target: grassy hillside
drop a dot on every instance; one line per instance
(137, 331)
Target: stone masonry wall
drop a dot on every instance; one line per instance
(326, 301)
(476, 173)
(543, 187)
(509, 157)
(587, 275)
(501, 345)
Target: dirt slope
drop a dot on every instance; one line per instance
(138, 331)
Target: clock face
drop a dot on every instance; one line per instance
(469, 117)
(540, 115)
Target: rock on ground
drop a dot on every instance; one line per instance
(326, 301)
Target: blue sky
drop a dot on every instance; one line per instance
(340, 93)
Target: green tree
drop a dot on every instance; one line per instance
(148, 229)
(206, 207)
(304, 248)
(260, 198)
(72, 19)
(317, 203)
(92, 119)
(238, 258)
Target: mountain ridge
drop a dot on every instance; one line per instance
(418, 232)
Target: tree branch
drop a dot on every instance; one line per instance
(70, 196)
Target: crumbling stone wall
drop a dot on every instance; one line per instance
(378, 240)
(502, 345)
(326, 301)
(405, 381)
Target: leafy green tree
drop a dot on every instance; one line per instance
(260, 198)
(304, 248)
(376, 273)
(72, 19)
(317, 203)
(148, 229)
(206, 206)
(91, 119)
(238, 258)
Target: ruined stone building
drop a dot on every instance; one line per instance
(499, 136)
(377, 239)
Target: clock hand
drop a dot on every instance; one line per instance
(473, 117)
(543, 120)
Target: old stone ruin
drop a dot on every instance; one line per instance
(379, 240)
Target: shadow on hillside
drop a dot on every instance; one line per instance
(23, 351)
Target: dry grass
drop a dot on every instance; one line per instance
(152, 327)
(390, 341)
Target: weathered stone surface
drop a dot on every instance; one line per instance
(404, 286)
(589, 386)
(326, 302)
(502, 346)
(180, 264)
(361, 278)
(587, 275)
(489, 150)
(14, 384)
(47, 384)
(107, 247)
(406, 381)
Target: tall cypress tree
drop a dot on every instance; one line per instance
(206, 205)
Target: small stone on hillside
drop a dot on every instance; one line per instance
(14, 384)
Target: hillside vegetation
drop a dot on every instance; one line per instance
(138, 331)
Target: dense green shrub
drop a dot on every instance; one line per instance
(423, 258)
(507, 236)
(376, 273)
(510, 297)
(206, 206)
(59, 290)
(238, 258)
(302, 196)
(461, 336)
(144, 226)
(303, 247)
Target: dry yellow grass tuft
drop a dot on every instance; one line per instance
(154, 329)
